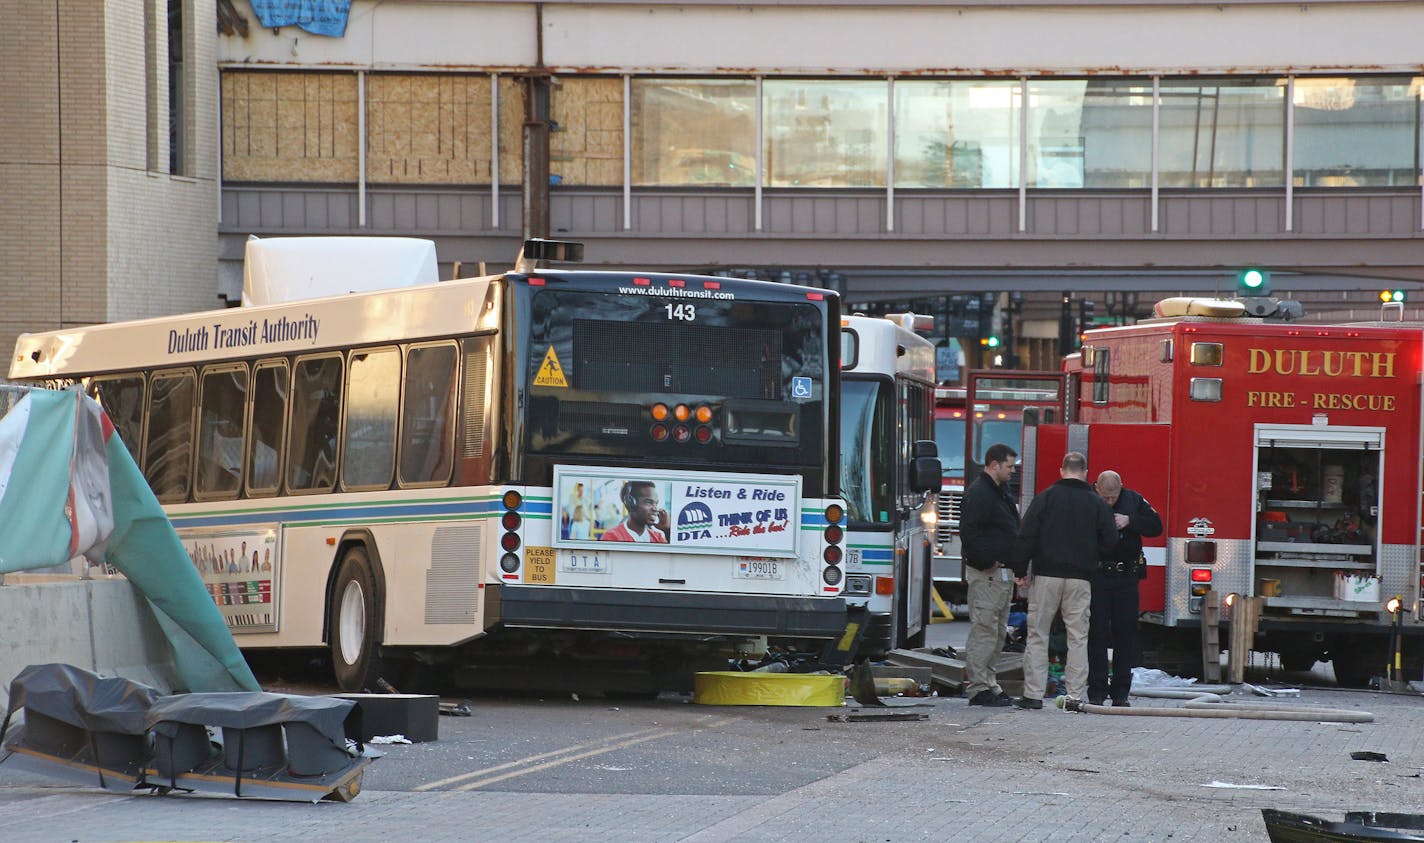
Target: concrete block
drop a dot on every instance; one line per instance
(417, 716)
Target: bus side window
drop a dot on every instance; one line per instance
(372, 406)
(428, 415)
(122, 398)
(269, 412)
(168, 453)
(316, 416)
(222, 417)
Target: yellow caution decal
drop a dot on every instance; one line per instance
(550, 372)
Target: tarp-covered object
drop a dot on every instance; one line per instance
(319, 17)
(80, 698)
(123, 736)
(68, 487)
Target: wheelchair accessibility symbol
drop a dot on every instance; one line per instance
(800, 388)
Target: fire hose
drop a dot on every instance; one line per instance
(1205, 701)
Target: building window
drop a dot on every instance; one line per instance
(1356, 132)
(586, 141)
(1094, 133)
(428, 128)
(289, 127)
(694, 132)
(1222, 133)
(957, 134)
(823, 133)
(177, 92)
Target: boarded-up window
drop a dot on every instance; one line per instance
(428, 128)
(289, 127)
(587, 144)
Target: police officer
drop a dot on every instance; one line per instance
(1113, 618)
(988, 523)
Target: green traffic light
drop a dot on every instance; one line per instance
(1253, 278)
(993, 342)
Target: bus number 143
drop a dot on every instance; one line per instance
(684, 312)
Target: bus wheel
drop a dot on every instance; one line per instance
(353, 622)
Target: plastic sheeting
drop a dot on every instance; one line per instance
(69, 487)
(726, 687)
(80, 698)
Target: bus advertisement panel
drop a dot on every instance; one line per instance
(588, 466)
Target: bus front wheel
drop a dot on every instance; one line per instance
(352, 627)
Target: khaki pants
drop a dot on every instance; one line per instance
(989, 596)
(1047, 596)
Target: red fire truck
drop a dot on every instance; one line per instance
(1285, 461)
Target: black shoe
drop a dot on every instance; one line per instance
(1097, 700)
(1121, 702)
(1028, 704)
(1005, 699)
(988, 698)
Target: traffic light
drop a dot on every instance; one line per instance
(1253, 281)
(1388, 296)
(1087, 311)
(989, 342)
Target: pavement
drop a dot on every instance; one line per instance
(672, 771)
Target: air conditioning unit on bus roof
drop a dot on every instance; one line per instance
(282, 269)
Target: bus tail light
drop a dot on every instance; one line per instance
(834, 534)
(509, 540)
(659, 433)
(884, 585)
(832, 555)
(703, 434)
(831, 575)
(681, 434)
(704, 414)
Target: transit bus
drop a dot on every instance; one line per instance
(888, 467)
(605, 473)
(990, 408)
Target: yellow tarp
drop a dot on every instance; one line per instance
(728, 687)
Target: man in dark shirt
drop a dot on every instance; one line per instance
(1066, 530)
(988, 523)
(1113, 618)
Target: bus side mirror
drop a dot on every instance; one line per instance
(926, 472)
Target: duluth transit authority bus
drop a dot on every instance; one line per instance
(574, 469)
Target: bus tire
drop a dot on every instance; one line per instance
(352, 625)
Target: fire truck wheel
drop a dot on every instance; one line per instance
(1352, 669)
(1299, 660)
(351, 633)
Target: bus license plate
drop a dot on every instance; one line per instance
(583, 561)
(757, 569)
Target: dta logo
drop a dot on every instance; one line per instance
(694, 521)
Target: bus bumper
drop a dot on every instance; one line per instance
(545, 607)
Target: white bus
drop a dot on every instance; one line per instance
(888, 465)
(576, 469)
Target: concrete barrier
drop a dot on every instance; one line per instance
(103, 625)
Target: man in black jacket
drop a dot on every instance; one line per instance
(1066, 530)
(988, 523)
(1113, 618)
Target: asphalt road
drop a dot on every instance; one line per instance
(531, 768)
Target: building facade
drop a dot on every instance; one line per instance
(109, 180)
(899, 152)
